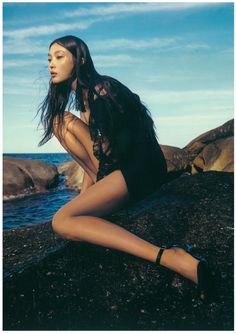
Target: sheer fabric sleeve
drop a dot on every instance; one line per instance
(113, 128)
(114, 123)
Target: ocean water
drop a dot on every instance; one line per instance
(37, 208)
(56, 158)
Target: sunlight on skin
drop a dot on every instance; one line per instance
(61, 63)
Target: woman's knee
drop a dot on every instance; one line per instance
(61, 125)
(63, 225)
(60, 224)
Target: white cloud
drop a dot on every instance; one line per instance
(11, 80)
(132, 8)
(99, 60)
(123, 43)
(179, 130)
(49, 29)
(21, 63)
(113, 60)
(188, 118)
(22, 92)
(187, 96)
(227, 51)
(23, 46)
(197, 46)
(18, 127)
(99, 13)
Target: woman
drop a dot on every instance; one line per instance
(115, 143)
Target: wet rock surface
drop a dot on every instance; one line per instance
(83, 286)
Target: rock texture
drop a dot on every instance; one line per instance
(213, 150)
(74, 174)
(25, 176)
(221, 132)
(216, 156)
(177, 159)
(81, 286)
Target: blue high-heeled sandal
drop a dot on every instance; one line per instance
(204, 274)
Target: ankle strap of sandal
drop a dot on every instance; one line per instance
(158, 259)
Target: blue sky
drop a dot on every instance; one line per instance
(177, 56)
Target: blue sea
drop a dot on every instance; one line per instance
(37, 208)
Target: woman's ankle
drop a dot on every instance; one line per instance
(181, 262)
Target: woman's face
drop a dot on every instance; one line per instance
(61, 63)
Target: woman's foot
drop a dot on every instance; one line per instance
(178, 258)
(180, 261)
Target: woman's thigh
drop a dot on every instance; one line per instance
(103, 198)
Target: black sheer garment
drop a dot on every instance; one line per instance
(124, 138)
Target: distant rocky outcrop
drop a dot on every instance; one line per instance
(50, 284)
(222, 132)
(213, 150)
(26, 176)
(177, 159)
(216, 156)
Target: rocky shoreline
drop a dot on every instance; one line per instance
(77, 286)
(53, 284)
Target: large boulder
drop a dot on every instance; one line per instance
(216, 156)
(25, 176)
(194, 147)
(177, 159)
(86, 287)
(213, 150)
(73, 173)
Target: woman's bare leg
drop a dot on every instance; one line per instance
(73, 134)
(81, 219)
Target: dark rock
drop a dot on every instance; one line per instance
(24, 247)
(25, 176)
(87, 287)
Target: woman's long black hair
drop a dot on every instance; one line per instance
(58, 96)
